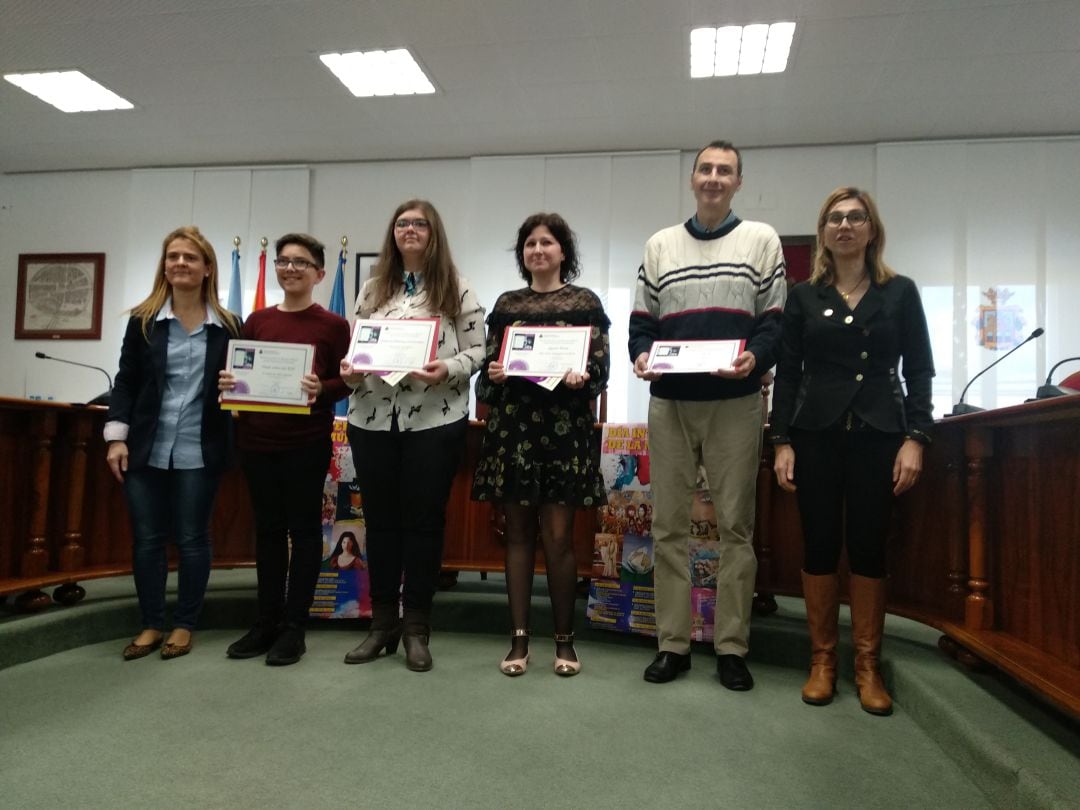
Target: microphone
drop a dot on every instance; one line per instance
(100, 399)
(962, 407)
(1046, 390)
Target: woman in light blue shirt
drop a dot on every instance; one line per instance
(168, 440)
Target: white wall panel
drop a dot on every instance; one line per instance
(357, 200)
(646, 193)
(61, 213)
(961, 216)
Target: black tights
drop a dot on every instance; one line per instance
(554, 524)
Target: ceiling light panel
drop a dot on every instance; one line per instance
(740, 50)
(69, 91)
(379, 73)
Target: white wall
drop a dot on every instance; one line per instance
(961, 216)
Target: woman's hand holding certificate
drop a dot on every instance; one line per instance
(547, 355)
(394, 348)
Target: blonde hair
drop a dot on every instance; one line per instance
(440, 273)
(824, 271)
(148, 309)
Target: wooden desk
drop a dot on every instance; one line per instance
(985, 548)
(65, 519)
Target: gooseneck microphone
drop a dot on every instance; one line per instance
(100, 399)
(1046, 390)
(962, 407)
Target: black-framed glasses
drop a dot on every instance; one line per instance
(417, 224)
(855, 218)
(283, 262)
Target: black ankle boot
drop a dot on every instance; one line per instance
(255, 642)
(417, 632)
(385, 635)
(288, 648)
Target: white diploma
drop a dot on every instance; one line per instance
(545, 351)
(384, 346)
(694, 356)
(268, 376)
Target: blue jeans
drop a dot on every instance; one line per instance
(176, 504)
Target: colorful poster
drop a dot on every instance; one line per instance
(621, 591)
(343, 590)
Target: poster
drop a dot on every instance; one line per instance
(343, 590)
(621, 596)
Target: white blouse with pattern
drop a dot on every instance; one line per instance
(420, 406)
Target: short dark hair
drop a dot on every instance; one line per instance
(313, 246)
(569, 269)
(726, 146)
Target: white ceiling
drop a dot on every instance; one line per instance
(238, 81)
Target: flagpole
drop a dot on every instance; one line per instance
(337, 306)
(260, 285)
(235, 291)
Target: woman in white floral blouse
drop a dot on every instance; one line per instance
(408, 439)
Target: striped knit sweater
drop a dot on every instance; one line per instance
(721, 285)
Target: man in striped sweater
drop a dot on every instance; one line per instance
(714, 277)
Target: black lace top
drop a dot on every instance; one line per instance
(541, 446)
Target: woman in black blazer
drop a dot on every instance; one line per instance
(168, 440)
(844, 430)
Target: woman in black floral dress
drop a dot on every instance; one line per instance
(541, 454)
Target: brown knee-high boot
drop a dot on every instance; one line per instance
(867, 625)
(822, 607)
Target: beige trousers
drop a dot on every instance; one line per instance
(723, 436)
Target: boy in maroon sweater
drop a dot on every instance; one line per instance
(285, 457)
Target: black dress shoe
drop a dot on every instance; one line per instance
(666, 666)
(733, 673)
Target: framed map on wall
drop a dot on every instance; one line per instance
(59, 296)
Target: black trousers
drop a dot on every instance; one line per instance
(405, 479)
(286, 488)
(844, 487)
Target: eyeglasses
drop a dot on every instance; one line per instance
(855, 218)
(418, 224)
(283, 263)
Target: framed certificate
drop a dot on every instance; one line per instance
(545, 351)
(268, 376)
(384, 345)
(693, 356)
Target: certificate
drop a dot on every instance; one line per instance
(382, 345)
(545, 351)
(268, 376)
(693, 356)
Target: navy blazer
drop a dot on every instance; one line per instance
(140, 388)
(834, 359)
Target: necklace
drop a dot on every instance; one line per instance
(849, 293)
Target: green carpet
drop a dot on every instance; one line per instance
(80, 727)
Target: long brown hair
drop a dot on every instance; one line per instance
(824, 271)
(440, 273)
(148, 309)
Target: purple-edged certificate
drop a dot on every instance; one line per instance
(268, 376)
(694, 356)
(386, 345)
(545, 351)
